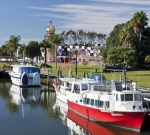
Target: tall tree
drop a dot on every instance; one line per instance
(55, 41)
(127, 35)
(45, 44)
(138, 22)
(121, 54)
(91, 37)
(64, 35)
(32, 50)
(12, 44)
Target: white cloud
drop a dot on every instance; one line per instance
(95, 15)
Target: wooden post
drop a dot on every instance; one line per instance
(48, 78)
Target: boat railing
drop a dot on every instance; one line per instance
(102, 88)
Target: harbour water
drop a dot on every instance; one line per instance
(28, 111)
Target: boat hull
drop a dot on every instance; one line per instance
(61, 96)
(131, 120)
(25, 81)
(97, 129)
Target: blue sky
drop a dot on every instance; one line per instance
(29, 18)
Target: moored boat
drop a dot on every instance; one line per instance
(80, 125)
(25, 75)
(111, 102)
(64, 85)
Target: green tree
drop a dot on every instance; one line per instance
(45, 44)
(12, 44)
(113, 40)
(138, 22)
(127, 35)
(3, 51)
(55, 41)
(118, 55)
(21, 51)
(91, 36)
(32, 50)
(147, 61)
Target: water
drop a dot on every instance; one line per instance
(29, 112)
(37, 111)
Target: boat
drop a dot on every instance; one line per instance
(64, 85)
(80, 125)
(114, 102)
(25, 75)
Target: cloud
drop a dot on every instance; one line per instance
(96, 15)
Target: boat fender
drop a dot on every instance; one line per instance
(55, 82)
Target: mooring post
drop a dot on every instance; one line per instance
(48, 78)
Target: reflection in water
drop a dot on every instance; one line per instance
(24, 95)
(78, 125)
(20, 98)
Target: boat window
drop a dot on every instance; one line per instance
(84, 87)
(116, 97)
(84, 100)
(69, 86)
(118, 86)
(122, 97)
(128, 97)
(101, 103)
(96, 103)
(77, 88)
(28, 70)
(92, 102)
(87, 100)
(107, 104)
(137, 97)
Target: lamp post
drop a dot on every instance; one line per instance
(76, 53)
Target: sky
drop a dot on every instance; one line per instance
(29, 18)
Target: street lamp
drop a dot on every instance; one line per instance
(76, 53)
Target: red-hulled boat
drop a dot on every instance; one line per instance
(112, 102)
(80, 124)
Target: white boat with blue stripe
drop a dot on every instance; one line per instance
(25, 75)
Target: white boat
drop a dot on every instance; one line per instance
(64, 85)
(109, 102)
(25, 75)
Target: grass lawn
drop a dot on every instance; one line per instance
(141, 77)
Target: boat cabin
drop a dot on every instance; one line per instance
(105, 96)
(21, 69)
